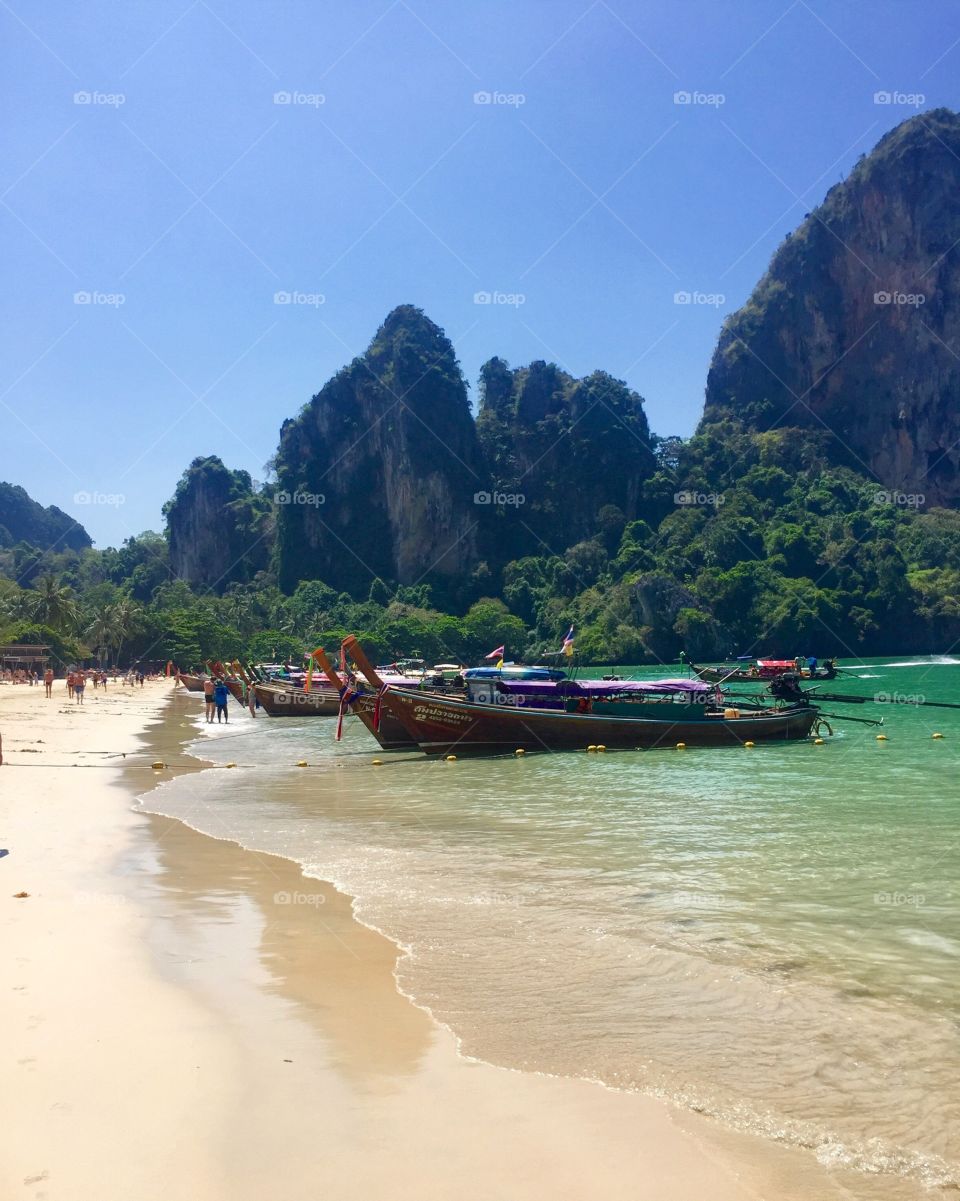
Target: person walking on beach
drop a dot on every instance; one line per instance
(48, 682)
(71, 680)
(208, 700)
(79, 683)
(220, 696)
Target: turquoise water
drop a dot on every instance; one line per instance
(768, 935)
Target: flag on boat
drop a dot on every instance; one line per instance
(309, 680)
(498, 653)
(567, 647)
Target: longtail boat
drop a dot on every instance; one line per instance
(562, 714)
(191, 682)
(443, 725)
(283, 700)
(390, 733)
(762, 671)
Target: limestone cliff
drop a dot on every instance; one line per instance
(376, 477)
(22, 519)
(569, 448)
(855, 328)
(219, 529)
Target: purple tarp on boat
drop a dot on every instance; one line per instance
(604, 687)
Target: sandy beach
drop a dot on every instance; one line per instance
(187, 1018)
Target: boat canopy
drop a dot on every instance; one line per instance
(777, 664)
(600, 688)
(513, 672)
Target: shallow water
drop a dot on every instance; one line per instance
(769, 935)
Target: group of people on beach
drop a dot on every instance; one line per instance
(20, 675)
(77, 682)
(77, 679)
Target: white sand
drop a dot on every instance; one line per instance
(152, 994)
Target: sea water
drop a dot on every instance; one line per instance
(767, 935)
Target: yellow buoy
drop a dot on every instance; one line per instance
(302, 763)
(519, 751)
(451, 758)
(881, 738)
(936, 735)
(591, 747)
(601, 747)
(818, 742)
(377, 762)
(749, 744)
(681, 746)
(231, 765)
(158, 766)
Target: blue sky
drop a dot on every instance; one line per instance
(157, 193)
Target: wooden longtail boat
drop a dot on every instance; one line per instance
(445, 725)
(191, 682)
(389, 732)
(762, 672)
(557, 715)
(280, 700)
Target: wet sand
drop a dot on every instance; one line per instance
(187, 1017)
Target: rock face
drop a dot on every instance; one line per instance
(376, 477)
(219, 529)
(569, 447)
(855, 328)
(22, 519)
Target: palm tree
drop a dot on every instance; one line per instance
(100, 631)
(53, 605)
(126, 615)
(113, 625)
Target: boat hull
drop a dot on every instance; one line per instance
(190, 682)
(391, 734)
(279, 701)
(442, 726)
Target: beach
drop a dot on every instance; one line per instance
(187, 1017)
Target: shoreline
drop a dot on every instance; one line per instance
(261, 1038)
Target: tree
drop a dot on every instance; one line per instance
(54, 605)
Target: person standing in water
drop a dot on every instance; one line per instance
(221, 696)
(208, 699)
